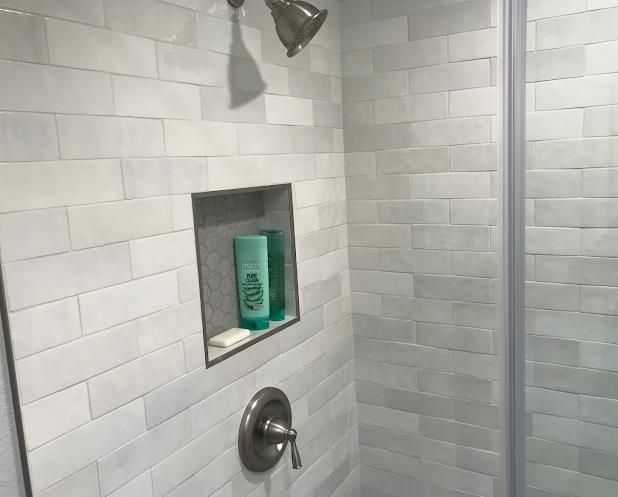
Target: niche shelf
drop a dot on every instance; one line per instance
(218, 217)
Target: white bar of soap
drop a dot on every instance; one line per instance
(229, 337)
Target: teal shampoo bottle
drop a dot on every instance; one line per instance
(252, 280)
(276, 273)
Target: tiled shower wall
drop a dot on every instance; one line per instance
(112, 113)
(572, 246)
(420, 104)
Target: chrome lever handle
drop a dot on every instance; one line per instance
(296, 462)
(277, 431)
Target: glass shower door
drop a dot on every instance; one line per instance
(572, 249)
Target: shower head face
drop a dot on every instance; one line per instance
(296, 22)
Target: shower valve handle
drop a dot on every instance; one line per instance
(277, 431)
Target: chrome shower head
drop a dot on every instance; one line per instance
(296, 22)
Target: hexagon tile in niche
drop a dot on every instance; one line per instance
(219, 217)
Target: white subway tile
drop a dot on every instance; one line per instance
(169, 326)
(577, 270)
(601, 4)
(555, 125)
(577, 92)
(139, 97)
(38, 185)
(88, 11)
(22, 37)
(139, 487)
(42, 327)
(601, 121)
(89, 137)
(577, 29)
(166, 176)
(452, 76)
(195, 356)
(77, 45)
(327, 114)
(152, 19)
(389, 8)
(200, 138)
(356, 63)
(235, 172)
(600, 243)
(602, 57)
(558, 241)
(56, 415)
(182, 212)
(83, 483)
(383, 235)
(244, 76)
(473, 45)
(288, 110)
(411, 109)
(378, 187)
(162, 253)
(192, 457)
(546, 184)
(111, 390)
(451, 185)
(539, 9)
(61, 458)
(454, 18)
(581, 213)
(599, 355)
(600, 300)
(457, 288)
(324, 61)
(94, 225)
(232, 105)
(27, 137)
(375, 86)
(264, 139)
(207, 414)
(24, 235)
(139, 454)
(54, 277)
(358, 114)
(474, 158)
(221, 36)
(61, 367)
(451, 132)
(451, 237)
(385, 137)
(41, 88)
(473, 102)
(475, 211)
(189, 65)
(568, 154)
(411, 54)
(375, 33)
(413, 211)
(122, 303)
(557, 64)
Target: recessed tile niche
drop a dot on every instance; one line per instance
(219, 217)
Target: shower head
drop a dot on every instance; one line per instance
(296, 22)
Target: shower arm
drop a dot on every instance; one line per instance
(269, 3)
(239, 3)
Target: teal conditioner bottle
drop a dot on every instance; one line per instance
(252, 280)
(276, 273)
